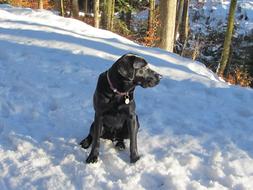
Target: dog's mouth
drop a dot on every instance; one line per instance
(150, 84)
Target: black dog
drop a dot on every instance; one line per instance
(114, 105)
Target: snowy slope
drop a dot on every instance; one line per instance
(196, 131)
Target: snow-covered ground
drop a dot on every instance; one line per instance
(196, 131)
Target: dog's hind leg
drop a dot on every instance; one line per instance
(85, 143)
(98, 126)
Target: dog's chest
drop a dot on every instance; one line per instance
(116, 116)
(114, 121)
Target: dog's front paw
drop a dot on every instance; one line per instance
(134, 159)
(92, 159)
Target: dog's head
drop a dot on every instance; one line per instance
(135, 68)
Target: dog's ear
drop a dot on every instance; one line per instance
(125, 67)
(139, 62)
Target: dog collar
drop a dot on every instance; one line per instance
(115, 90)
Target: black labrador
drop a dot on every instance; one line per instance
(114, 105)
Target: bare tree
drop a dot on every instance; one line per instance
(151, 15)
(85, 6)
(96, 13)
(108, 14)
(228, 39)
(184, 26)
(40, 4)
(75, 8)
(178, 16)
(167, 18)
(62, 7)
(112, 14)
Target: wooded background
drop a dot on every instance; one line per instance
(167, 26)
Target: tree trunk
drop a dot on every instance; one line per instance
(75, 8)
(62, 7)
(184, 26)
(178, 17)
(96, 13)
(167, 29)
(85, 6)
(112, 14)
(104, 16)
(108, 14)
(40, 4)
(151, 15)
(228, 39)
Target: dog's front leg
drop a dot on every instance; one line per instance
(133, 129)
(98, 122)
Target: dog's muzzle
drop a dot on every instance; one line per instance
(152, 80)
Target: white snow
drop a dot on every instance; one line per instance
(196, 131)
